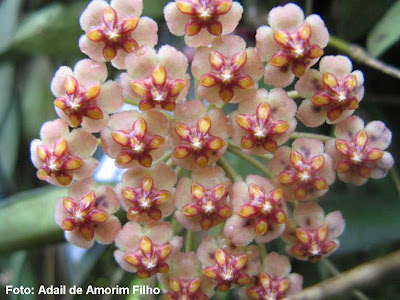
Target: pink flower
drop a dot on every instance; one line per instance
(261, 125)
(156, 79)
(202, 201)
(275, 281)
(115, 30)
(357, 151)
(146, 250)
(132, 136)
(198, 137)
(228, 71)
(290, 44)
(312, 235)
(185, 279)
(332, 93)
(62, 156)
(83, 96)
(259, 212)
(87, 214)
(147, 193)
(304, 171)
(227, 264)
(202, 21)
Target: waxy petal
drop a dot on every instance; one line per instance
(86, 231)
(159, 75)
(217, 60)
(97, 216)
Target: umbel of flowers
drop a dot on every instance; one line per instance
(168, 132)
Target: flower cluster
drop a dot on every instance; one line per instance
(168, 133)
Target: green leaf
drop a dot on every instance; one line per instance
(371, 213)
(386, 32)
(154, 8)
(9, 10)
(23, 274)
(27, 219)
(37, 99)
(54, 30)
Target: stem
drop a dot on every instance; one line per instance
(170, 163)
(266, 156)
(131, 102)
(332, 268)
(251, 160)
(166, 156)
(364, 275)
(293, 94)
(178, 171)
(396, 178)
(360, 55)
(263, 251)
(189, 241)
(309, 7)
(229, 170)
(321, 137)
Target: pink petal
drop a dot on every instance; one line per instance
(280, 161)
(126, 8)
(310, 83)
(296, 284)
(190, 223)
(239, 230)
(308, 215)
(75, 237)
(58, 82)
(359, 90)
(276, 265)
(266, 44)
(118, 61)
(282, 106)
(210, 177)
(353, 178)
(159, 232)
(379, 135)
(308, 147)
(231, 20)
(274, 232)
(129, 236)
(183, 192)
(278, 77)
(319, 33)
(288, 17)
(219, 123)
(110, 147)
(176, 242)
(176, 20)
(92, 15)
(254, 66)
(229, 45)
(200, 63)
(92, 49)
(105, 232)
(81, 143)
(348, 128)
(146, 32)
(212, 94)
(79, 188)
(127, 91)
(380, 168)
(93, 126)
(343, 116)
(206, 250)
(190, 111)
(110, 98)
(338, 65)
(52, 131)
(107, 199)
(203, 38)
(87, 169)
(36, 161)
(335, 223)
(119, 258)
(174, 61)
(141, 64)
(331, 150)
(123, 120)
(60, 212)
(311, 115)
(88, 71)
(185, 266)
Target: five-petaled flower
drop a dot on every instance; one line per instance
(198, 137)
(62, 156)
(185, 279)
(259, 211)
(115, 30)
(202, 20)
(147, 193)
(311, 235)
(290, 45)
(227, 71)
(156, 79)
(202, 202)
(333, 92)
(304, 171)
(86, 215)
(263, 124)
(275, 281)
(83, 97)
(132, 136)
(358, 152)
(146, 250)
